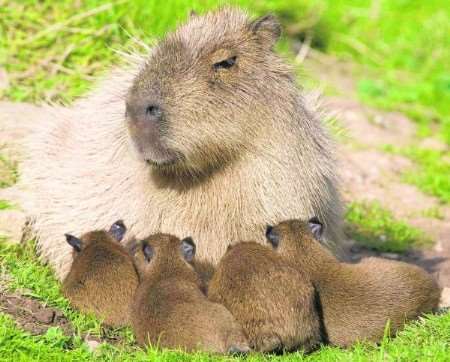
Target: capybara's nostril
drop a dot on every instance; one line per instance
(271, 236)
(153, 112)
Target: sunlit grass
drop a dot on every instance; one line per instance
(376, 228)
(431, 171)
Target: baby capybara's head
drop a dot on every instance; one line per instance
(113, 236)
(164, 252)
(200, 96)
(298, 239)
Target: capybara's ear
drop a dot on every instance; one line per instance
(148, 251)
(267, 28)
(118, 230)
(272, 236)
(188, 249)
(316, 227)
(74, 242)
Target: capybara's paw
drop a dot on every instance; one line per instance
(266, 343)
(238, 350)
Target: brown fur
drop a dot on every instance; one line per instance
(102, 279)
(235, 148)
(357, 300)
(170, 309)
(272, 301)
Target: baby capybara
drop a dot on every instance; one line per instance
(170, 310)
(357, 300)
(273, 302)
(102, 279)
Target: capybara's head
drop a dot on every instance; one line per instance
(296, 238)
(202, 94)
(113, 235)
(160, 252)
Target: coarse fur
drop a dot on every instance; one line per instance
(357, 300)
(102, 279)
(170, 310)
(273, 302)
(236, 148)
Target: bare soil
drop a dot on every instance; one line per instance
(33, 316)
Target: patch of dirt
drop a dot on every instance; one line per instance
(36, 318)
(33, 316)
(377, 129)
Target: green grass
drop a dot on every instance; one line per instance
(376, 228)
(421, 341)
(4, 205)
(405, 50)
(54, 48)
(431, 172)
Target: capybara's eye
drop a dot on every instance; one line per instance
(225, 64)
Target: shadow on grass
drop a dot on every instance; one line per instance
(376, 232)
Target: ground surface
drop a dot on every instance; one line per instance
(388, 94)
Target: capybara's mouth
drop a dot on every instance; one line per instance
(165, 162)
(161, 163)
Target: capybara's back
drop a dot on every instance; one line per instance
(174, 314)
(102, 279)
(169, 308)
(274, 303)
(357, 300)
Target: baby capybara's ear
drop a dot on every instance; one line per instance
(118, 230)
(316, 227)
(188, 249)
(74, 242)
(272, 236)
(148, 251)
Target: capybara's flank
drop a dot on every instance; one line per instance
(273, 302)
(357, 300)
(102, 279)
(170, 310)
(208, 136)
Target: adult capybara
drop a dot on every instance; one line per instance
(356, 300)
(208, 136)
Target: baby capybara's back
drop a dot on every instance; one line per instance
(102, 279)
(178, 316)
(273, 302)
(407, 289)
(170, 310)
(357, 300)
